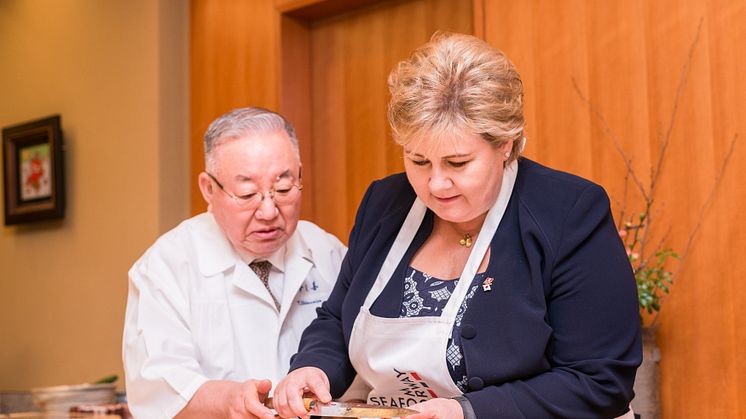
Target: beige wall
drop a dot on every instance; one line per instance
(117, 72)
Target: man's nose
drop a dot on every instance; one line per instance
(267, 208)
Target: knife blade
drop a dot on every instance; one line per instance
(350, 409)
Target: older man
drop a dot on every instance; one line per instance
(217, 305)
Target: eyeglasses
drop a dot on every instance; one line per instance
(282, 194)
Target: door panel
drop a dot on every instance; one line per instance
(347, 134)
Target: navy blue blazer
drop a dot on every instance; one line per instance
(558, 335)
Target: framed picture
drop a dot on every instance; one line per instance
(33, 172)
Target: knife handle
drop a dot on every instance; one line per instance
(307, 403)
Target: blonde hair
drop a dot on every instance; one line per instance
(456, 82)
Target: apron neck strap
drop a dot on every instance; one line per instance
(409, 229)
(482, 244)
(398, 249)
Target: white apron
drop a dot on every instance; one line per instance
(403, 360)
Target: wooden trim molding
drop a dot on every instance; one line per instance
(311, 10)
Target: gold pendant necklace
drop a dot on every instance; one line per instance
(466, 240)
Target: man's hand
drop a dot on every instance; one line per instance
(229, 400)
(288, 396)
(437, 409)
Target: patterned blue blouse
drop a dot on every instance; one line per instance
(425, 295)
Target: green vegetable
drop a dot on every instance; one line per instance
(107, 380)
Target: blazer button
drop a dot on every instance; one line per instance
(468, 331)
(475, 383)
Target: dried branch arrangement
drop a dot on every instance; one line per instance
(652, 261)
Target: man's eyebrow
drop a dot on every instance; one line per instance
(241, 178)
(284, 175)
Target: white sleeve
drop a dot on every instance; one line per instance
(339, 250)
(161, 365)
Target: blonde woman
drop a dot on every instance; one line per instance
(479, 283)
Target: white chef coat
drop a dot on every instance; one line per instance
(197, 312)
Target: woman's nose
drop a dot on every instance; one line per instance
(439, 181)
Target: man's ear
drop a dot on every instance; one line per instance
(207, 187)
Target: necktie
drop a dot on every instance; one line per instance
(261, 269)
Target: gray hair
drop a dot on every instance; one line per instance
(241, 122)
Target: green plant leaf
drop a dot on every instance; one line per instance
(107, 380)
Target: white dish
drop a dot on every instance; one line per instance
(62, 398)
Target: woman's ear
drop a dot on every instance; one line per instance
(507, 148)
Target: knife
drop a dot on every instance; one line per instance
(350, 409)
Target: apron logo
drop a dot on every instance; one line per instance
(414, 390)
(414, 385)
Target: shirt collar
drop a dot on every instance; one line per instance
(294, 249)
(277, 258)
(215, 253)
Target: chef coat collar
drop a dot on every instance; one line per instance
(277, 259)
(216, 254)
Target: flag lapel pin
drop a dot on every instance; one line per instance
(487, 284)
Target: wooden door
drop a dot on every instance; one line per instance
(334, 71)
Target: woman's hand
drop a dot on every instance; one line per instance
(288, 397)
(437, 409)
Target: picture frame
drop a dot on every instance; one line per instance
(33, 171)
